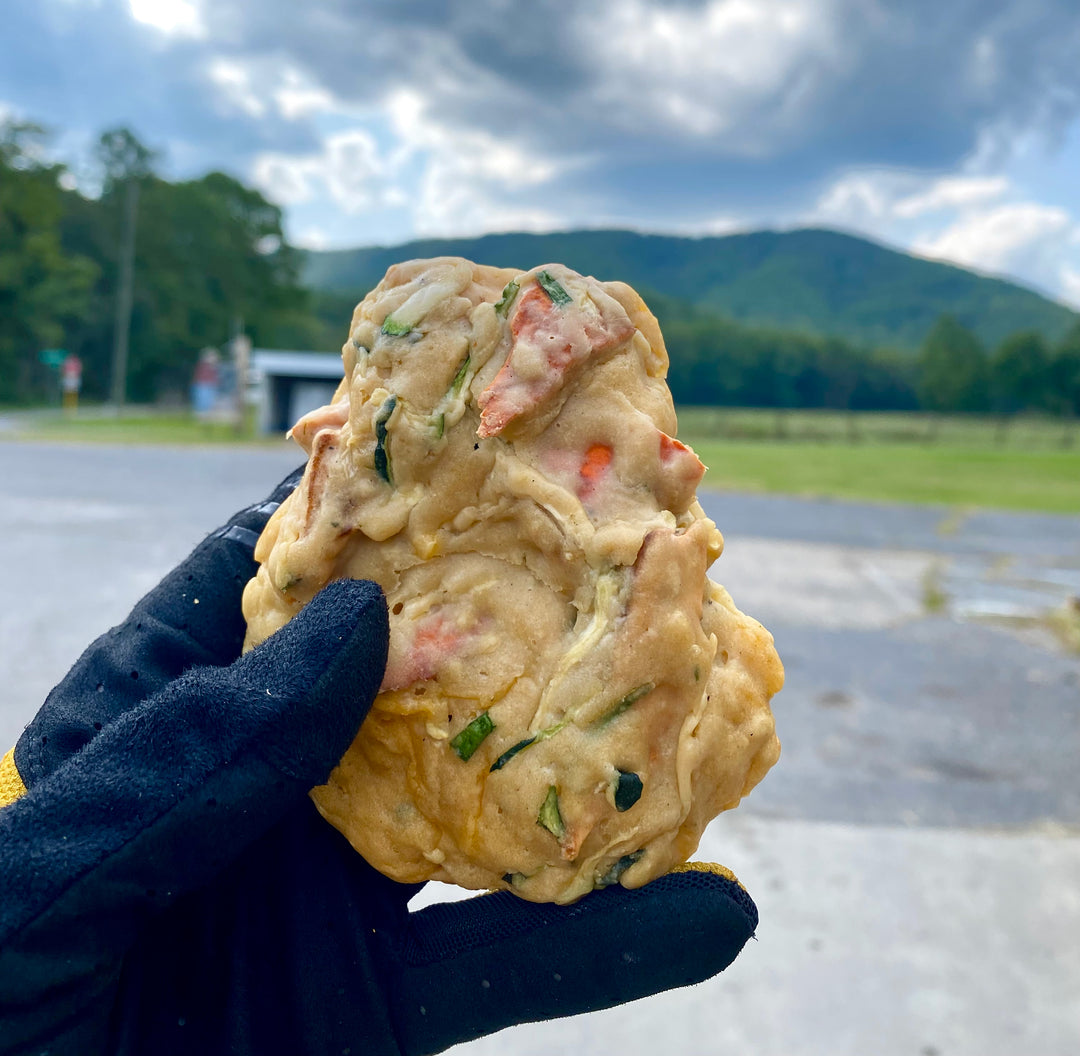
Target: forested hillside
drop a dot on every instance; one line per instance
(810, 281)
(805, 319)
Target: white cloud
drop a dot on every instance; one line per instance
(470, 177)
(297, 96)
(974, 219)
(709, 70)
(447, 180)
(1070, 285)
(236, 83)
(312, 237)
(883, 197)
(952, 192)
(173, 18)
(992, 239)
(354, 173)
(721, 225)
(471, 151)
(284, 179)
(262, 87)
(861, 198)
(349, 168)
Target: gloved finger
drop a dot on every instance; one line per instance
(192, 618)
(466, 969)
(171, 792)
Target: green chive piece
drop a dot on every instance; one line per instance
(628, 790)
(623, 703)
(553, 288)
(459, 377)
(549, 815)
(620, 867)
(392, 328)
(510, 753)
(502, 306)
(470, 738)
(382, 456)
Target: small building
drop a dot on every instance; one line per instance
(284, 386)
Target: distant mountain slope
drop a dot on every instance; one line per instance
(812, 280)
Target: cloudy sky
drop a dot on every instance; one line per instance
(947, 127)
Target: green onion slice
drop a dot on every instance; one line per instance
(470, 738)
(510, 753)
(502, 305)
(554, 289)
(459, 377)
(382, 456)
(549, 816)
(623, 703)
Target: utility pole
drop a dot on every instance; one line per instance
(125, 282)
(125, 278)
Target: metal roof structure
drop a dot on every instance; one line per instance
(297, 364)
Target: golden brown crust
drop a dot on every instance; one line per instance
(501, 460)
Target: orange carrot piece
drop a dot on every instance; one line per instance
(669, 446)
(597, 459)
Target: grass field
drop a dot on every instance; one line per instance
(947, 474)
(894, 458)
(894, 427)
(954, 461)
(138, 426)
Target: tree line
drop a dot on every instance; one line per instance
(716, 361)
(211, 260)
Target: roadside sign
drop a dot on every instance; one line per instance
(52, 357)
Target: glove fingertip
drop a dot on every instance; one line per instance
(613, 946)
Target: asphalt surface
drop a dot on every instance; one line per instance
(915, 855)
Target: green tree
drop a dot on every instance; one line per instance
(1063, 381)
(951, 369)
(125, 163)
(1019, 373)
(210, 258)
(43, 291)
(121, 157)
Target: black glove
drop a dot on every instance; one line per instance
(168, 887)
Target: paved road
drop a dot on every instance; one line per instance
(916, 853)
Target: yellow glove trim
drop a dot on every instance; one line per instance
(708, 867)
(11, 784)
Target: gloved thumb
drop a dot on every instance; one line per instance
(165, 797)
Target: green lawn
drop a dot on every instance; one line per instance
(955, 476)
(1022, 464)
(894, 427)
(137, 427)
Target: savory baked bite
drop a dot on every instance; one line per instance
(569, 700)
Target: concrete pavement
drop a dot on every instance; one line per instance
(916, 853)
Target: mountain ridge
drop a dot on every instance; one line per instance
(813, 280)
